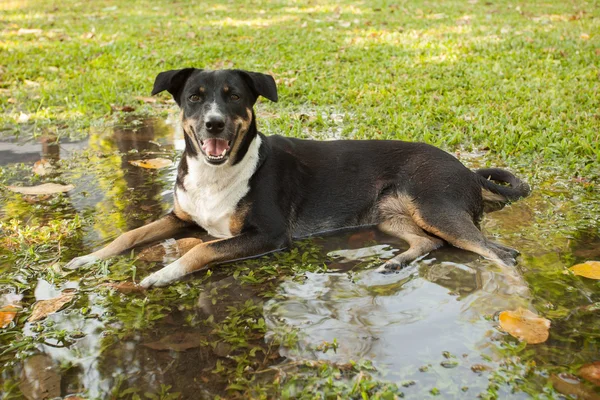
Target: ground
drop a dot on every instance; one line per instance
(498, 83)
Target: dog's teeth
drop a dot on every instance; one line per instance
(223, 153)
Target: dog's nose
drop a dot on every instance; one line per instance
(215, 125)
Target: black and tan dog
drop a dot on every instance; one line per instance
(256, 193)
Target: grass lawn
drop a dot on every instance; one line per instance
(503, 83)
(520, 79)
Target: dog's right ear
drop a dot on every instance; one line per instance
(172, 81)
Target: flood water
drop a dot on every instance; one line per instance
(249, 328)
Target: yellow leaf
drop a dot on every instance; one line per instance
(7, 314)
(46, 188)
(589, 269)
(591, 372)
(153, 163)
(525, 325)
(43, 308)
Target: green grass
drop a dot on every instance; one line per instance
(518, 78)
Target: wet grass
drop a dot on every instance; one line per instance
(515, 78)
(514, 83)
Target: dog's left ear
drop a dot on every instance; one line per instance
(172, 81)
(262, 84)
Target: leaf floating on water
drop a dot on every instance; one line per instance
(46, 188)
(125, 287)
(7, 314)
(525, 325)
(588, 269)
(591, 372)
(153, 163)
(42, 167)
(570, 386)
(43, 308)
(180, 341)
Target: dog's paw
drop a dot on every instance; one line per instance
(82, 261)
(163, 277)
(391, 266)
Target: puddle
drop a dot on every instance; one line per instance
(250, 328)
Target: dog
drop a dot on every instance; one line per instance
(255, 194)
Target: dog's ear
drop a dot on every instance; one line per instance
(172, 81)
(262, 84)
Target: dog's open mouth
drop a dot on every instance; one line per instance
(215, 150)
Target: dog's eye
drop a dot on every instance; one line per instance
(194, 98)
(234, 97)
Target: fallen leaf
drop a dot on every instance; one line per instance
(588, 269)
(42, 167)
(23, 31)
(570, 386)
(157, 253)
(147, 99)
(46, 188)
(122, 108)
(152, 163)
(43, 308)
(23, 118)
(180, 341)
(591, 372)
(40, 378)
(525, 325)
(125, 287)
(584, 36)
(7, 314)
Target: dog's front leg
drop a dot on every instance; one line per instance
(160, 229)
(242, 246)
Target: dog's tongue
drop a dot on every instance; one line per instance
(214, 147)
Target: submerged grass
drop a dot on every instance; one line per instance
(516, 80)
(520, 79)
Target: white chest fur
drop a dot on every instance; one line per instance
(212, 193)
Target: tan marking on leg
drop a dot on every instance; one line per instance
(163, 228)
(491, 196)
(237, 220)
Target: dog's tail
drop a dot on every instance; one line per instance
(496, 196)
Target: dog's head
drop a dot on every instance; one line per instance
(216, 108)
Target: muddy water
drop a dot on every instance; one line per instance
(431, 328)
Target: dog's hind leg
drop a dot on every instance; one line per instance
(458, 228)
(420, 243)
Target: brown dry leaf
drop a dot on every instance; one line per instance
(125, 287)
(589, 269)
(147, 99)
(591, 372)
(570, 386)
(152, 163)
(525, 325)
(180, 341)
(43, 308)
(46, 188)
(7, 314)
(158, 252)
